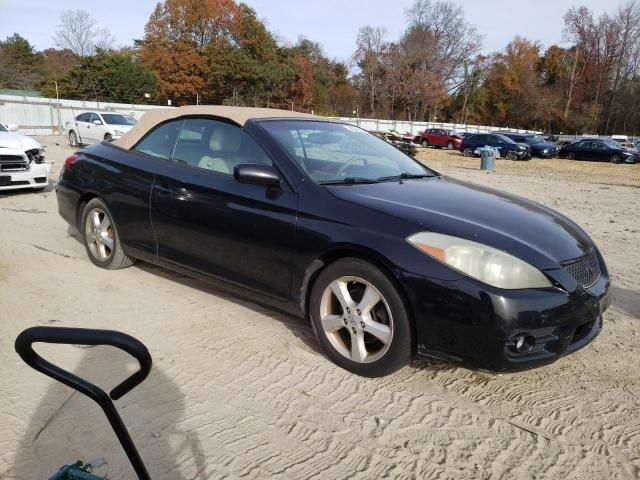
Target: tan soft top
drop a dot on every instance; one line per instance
(238, 115)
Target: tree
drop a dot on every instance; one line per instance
(106, 76)
(370, 45)
(20, 65)
(78, 32)
(178, 36)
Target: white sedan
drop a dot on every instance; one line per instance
(22, 163)
(94, 127)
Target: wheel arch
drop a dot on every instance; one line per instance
(85, 198)
(341, 251)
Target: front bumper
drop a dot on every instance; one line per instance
(36, 177)
(466, 322)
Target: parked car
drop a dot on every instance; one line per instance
(604, 150)
(92, 127)
(439, 137)
(539, 147)
(385, 256)
(507, 147)
(22, 161)
(401, 143)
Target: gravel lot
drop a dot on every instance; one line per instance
(238, 390)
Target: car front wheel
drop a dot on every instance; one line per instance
(100, 237)
(73, 139)
(512, 155)
(571, 156)
(449, 145)
(616, 158)
(360, 319)
(425, 143)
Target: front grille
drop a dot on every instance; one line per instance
(13, 163)
(586, 269)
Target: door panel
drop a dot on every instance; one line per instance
(209, 222)
(206, 221)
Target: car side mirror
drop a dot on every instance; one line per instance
(97, 122)
(257, 174)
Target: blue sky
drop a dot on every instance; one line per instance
(334, 23)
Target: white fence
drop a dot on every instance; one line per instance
(403, 126)
(47, 116)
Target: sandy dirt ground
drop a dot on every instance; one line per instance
(240, 391)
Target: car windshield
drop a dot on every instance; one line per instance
(505, 138)
(118, 119)
(331, 152)
(611, 143)
(533, 139)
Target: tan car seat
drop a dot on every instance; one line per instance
(224, 144)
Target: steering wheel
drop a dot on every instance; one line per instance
(350, 162)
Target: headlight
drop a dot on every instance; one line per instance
(546, 150)
(484, 263)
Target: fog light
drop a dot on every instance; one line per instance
(523, 343)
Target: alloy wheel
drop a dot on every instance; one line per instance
(73, 139)
(467, 152)
(99, 234)
(356, 319)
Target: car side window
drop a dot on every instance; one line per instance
(83, 117)
(93, 117)
(218, 146)
(160, 141)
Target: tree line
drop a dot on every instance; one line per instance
(220, 52)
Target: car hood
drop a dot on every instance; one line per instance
(525, 229)
(17, 141)
(543, 145)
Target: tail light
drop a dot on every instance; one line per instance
(70, 159)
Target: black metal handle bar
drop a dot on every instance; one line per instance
(85, 336)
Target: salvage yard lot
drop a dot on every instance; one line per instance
(238, 390)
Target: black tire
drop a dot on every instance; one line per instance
(116, 258)
(397, 352)
(616, 158)
(571, 156)
(467, 152)
(425, 143)
(449, 145)
(107, 137)
(73, 139)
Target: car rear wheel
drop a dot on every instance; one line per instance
(360, 319)
(425, 143)
(449, 145)
(100, 237)
(616, 158)
(571, 156)
(467, 152)
(73, 139)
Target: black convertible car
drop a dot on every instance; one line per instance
(386, 257)
(604, 150)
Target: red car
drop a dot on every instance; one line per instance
(438, 137)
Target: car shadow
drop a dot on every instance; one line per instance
(66, 425)
(627, 300)
(300, 327)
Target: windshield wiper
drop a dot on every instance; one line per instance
(404, 175)
(350, 181)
